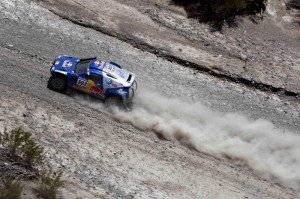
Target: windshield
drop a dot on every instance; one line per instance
(82, 66)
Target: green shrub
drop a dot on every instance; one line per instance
(10, 189)
(20, 145)
(49, 184)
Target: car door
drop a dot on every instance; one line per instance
(79, 82)
(78, 78)
(95, 85)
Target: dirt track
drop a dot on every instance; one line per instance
(105, 158)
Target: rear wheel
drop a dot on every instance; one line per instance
(57, 83)
(114, 101)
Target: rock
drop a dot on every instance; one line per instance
(243, 57)
(280, 92)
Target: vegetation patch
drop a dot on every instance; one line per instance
(49, 184)
(10, 189)
(21, 146)
(20, 155)
(293, 4)
(218, 12)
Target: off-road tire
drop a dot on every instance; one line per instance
(57, 83)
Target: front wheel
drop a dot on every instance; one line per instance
(57, 83)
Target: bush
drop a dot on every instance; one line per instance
(20, 145)
(22, 148)
(10, 189)
(49, 184)
(294, 4)
(216, 12)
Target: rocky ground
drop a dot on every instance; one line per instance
(123, 155)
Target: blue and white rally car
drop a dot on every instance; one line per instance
(104, 80)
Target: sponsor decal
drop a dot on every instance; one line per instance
(121, 74)
(96, 89)
(67, 63)
(96, 62)
(99, 64)
(108, 81)
(122, 92)
(114, 85)
(111, 68)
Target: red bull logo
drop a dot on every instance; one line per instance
(97, 90)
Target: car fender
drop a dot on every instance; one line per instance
(59, 71)
(121, 92)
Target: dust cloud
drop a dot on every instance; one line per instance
(272, 153)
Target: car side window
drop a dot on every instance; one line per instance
(85, 76)
(82, 66)
(96, 78)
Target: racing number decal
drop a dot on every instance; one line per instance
(81, 82)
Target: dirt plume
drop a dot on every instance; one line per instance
(272, 153)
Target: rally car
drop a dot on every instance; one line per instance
(98, 78)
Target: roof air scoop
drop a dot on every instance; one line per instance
(115, 64)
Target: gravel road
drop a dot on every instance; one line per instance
(114, 154)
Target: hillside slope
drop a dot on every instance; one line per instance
(259, 53)
(237, 142)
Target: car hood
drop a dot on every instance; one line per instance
(117, 72)
(65, 63)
